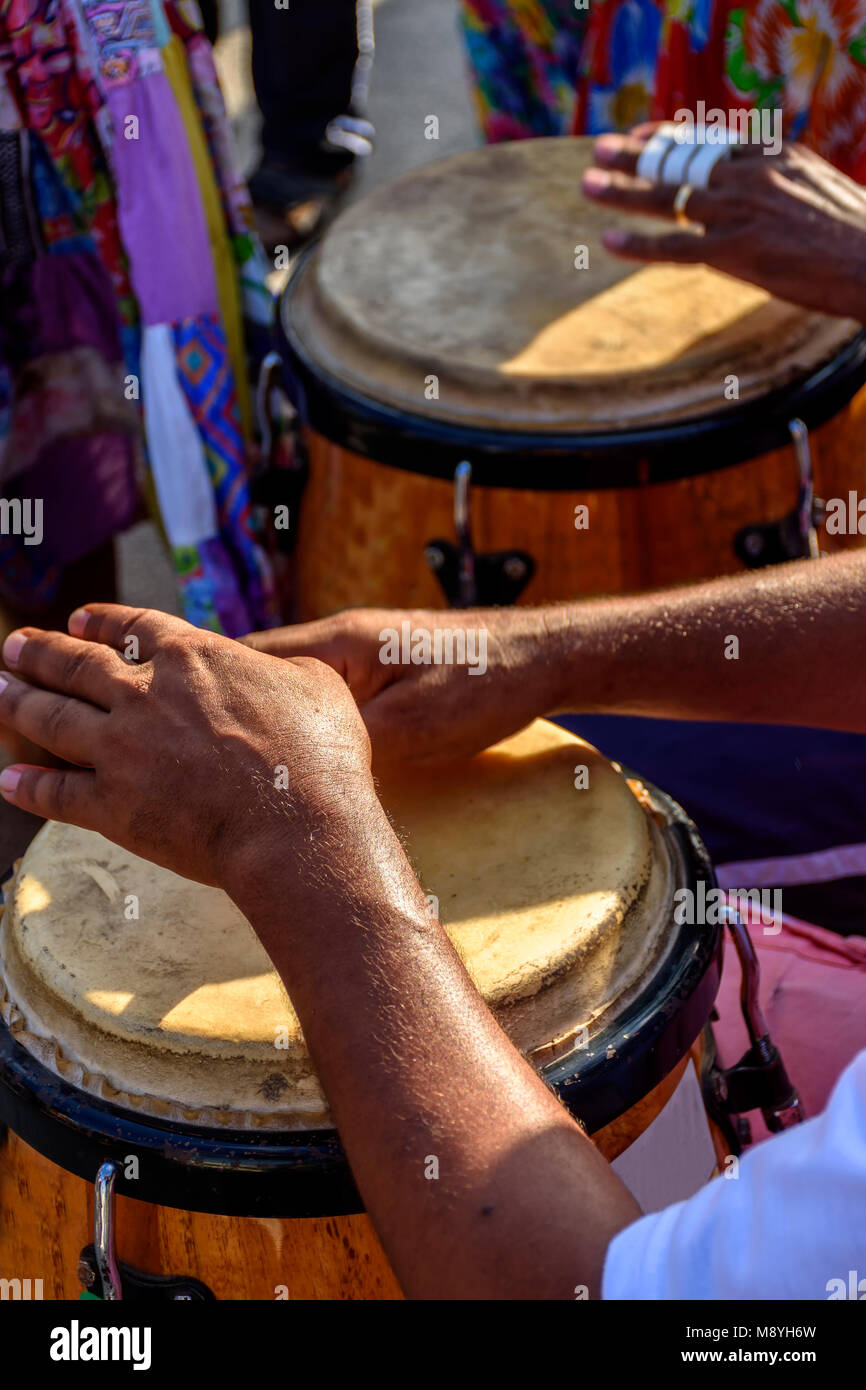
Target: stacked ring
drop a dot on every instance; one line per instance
(669, 158)
(656, 151)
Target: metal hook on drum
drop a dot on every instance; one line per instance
(467, 577)
(103, 1231)
(795, 536)
(99, 1267)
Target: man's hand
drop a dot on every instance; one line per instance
(416, 712)
(189, 749)
(177, 753)
(789, 223)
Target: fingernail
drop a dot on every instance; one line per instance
(9, 779)
(13, 647)
(595, 181)
(615, 238)
(606, 147)
(3, 682)
(78, 622)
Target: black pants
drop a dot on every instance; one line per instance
(303, 61)
(210, 15)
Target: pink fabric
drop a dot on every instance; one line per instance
(813, 992)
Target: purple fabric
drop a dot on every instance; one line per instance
(76, 304)
(88, 492)
(162, 218)
(61, 303)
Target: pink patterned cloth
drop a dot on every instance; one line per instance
(813, 993)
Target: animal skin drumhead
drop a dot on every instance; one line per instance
(556, 895)
(477, 289)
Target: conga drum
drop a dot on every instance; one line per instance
(166, 1135)
(497, 410)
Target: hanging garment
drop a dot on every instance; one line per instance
(133, 303)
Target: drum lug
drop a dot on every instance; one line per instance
(281, 475)
(498, 579)
(795, 536)
(467, 578)
(99, 1268)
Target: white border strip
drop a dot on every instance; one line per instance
(844, 861)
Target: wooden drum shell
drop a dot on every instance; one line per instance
(364, 525)
(46, 1220)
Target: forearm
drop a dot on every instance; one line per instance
(417, 1070)
(782, 646)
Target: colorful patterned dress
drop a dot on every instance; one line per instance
(132, 302)
(806, 58)
(541, 66)
(524, 56)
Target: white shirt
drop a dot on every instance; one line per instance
(791, 1225)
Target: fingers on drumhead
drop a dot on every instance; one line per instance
(655, 199)
(86, 670)
(64, 794)
(70, 729)
(136, 633)
(683, 247)
(618, 152)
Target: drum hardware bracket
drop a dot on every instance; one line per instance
(736, 1128)
(499, 578)
(276, 483)
(467, 578)
(137, 1286)
(759, 1081)
(795, 536)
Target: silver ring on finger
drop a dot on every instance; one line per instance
(705, 161)
(678, 163)
(652, 157)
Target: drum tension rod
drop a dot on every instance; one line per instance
(467, 577)
(795, 536)
(759, 1080)
(103, 1231)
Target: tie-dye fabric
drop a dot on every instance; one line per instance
(524, 56)
(126, 167)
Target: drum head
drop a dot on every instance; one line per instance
(143, 989)
(476, 290)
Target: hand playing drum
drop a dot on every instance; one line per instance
(790, 222)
